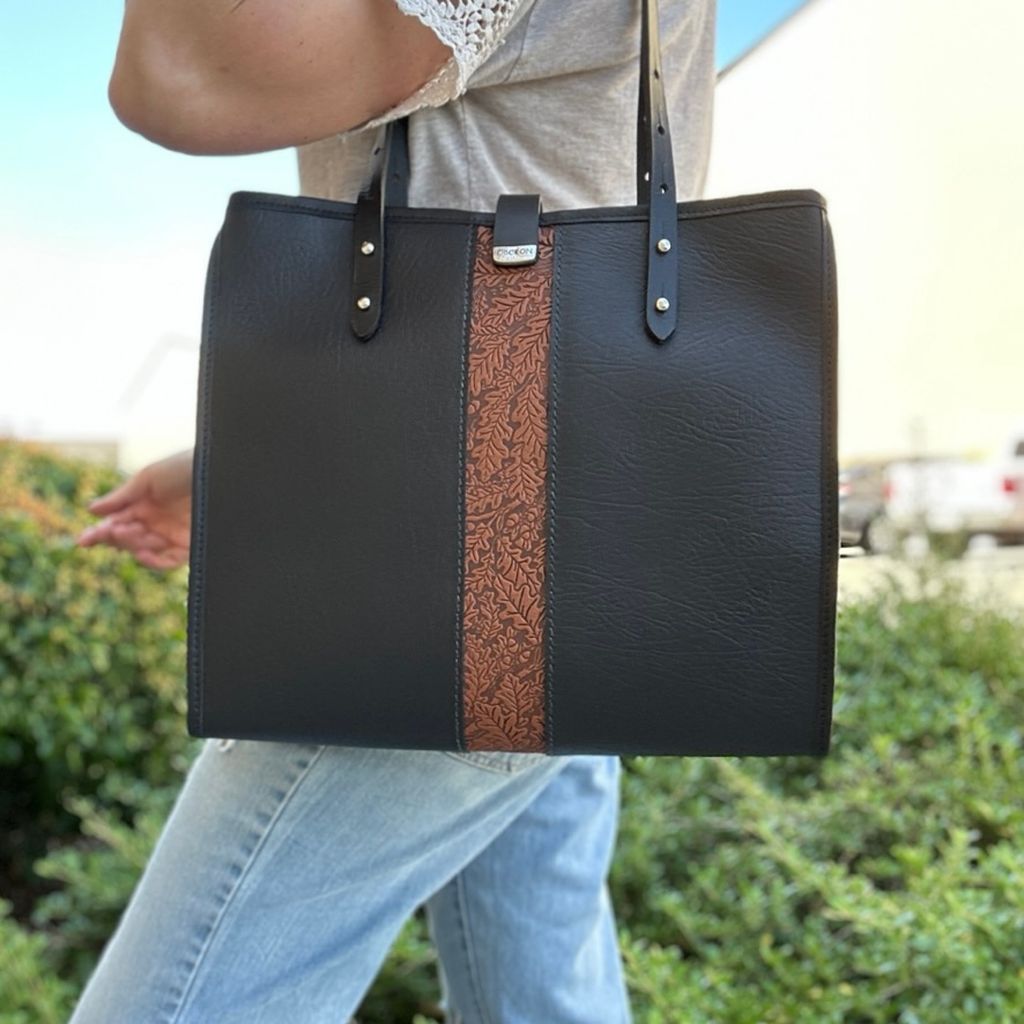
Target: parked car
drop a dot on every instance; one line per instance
(950, 500)
(862, 506)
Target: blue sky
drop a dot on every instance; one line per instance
(69, 166)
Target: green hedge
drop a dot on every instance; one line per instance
(881, 884)
(884, 883)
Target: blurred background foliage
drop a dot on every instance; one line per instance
(884, 883)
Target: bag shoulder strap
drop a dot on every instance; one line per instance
(655, 191)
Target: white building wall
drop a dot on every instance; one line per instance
(908, 115)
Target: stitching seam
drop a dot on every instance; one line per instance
(522, 45)
(197, 613)
(461, 508)
(829, 542)
(553, 342)
(472, 969)
(412, 215)
(500, 767)
(236, 886)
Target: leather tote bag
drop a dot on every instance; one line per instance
(515, 480)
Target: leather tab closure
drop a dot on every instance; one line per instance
(516, 230)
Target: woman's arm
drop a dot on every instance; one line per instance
(243, 76)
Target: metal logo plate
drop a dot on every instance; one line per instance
(514, 255)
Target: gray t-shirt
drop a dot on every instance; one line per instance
(539, 96)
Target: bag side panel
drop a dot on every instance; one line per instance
(330, 488)
(688, 561)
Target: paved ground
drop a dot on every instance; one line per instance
(998, 573)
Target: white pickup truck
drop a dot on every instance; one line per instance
(957, 499)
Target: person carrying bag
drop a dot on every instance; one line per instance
(418, 652)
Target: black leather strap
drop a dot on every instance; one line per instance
(398, 163)
(656, 181)
(655, 189)
(390, 150)
(368, 250)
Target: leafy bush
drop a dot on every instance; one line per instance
(31, 991)
(91, 661)
(884, 883)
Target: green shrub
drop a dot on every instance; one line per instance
(91, 660)
(881, 884)
(30, 990)
(97, 875)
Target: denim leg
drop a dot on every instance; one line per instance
(526, 931)
(285, 872)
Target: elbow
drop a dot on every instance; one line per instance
(171, 106)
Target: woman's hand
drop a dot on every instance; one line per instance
(150, 514)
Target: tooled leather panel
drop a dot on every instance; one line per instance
(505, 479)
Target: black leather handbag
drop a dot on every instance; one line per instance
(510, 480)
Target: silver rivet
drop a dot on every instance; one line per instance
(366, 248)
(664, 245)
(661, 304)
(363, 302)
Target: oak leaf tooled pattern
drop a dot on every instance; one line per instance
(505, 479)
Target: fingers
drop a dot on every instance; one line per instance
(153, 550)
(110, 530)
(127, 534)
(95, 534)
(133, 489)
(155, 533)
(172, 558)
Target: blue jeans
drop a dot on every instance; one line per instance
(285, 872)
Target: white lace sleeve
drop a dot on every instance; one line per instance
(472, 28)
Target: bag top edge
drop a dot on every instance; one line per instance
(688, 209)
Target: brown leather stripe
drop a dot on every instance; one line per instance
(503, 704)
